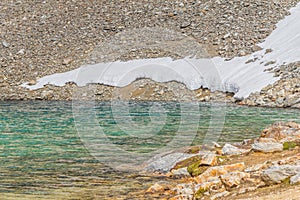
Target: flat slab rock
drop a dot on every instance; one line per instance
(229, 149)
(267, 147)
(164, 163)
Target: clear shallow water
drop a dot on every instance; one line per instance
(44, 152)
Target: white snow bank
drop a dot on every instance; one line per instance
(236, 75)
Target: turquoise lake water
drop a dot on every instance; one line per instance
(46, 148)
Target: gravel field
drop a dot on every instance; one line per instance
(39, 38)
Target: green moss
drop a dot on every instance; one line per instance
(187, 162)
(195, 169)
(289, 145)
(286, 181)
(193, 150)
(200, 193)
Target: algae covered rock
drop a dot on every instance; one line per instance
(196, 168)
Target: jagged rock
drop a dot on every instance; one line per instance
(256, 168)
(233, 179)
(276, 174)
(209, 159)
(215, 182)
(229, 149)
(267, 147)
(216, 171)
(184, 191)
(213, 186)
(295, 179)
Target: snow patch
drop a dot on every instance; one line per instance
(237, 75)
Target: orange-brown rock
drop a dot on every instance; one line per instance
(233, 179)
(209, 159)
(216, 171)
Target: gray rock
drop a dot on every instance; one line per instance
(276, 174)
(267, 147)
(5, 44)
(164, 163)
(184, 190)
(179, 173)
(185, 24)
(295, 179)
(229, 149)
(21, 52)
(256, 168)
(209, 159)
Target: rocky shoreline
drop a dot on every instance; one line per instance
(236, 171)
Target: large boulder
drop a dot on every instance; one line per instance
(267, 147)
(277, 174)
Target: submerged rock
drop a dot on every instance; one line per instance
(164, 163)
